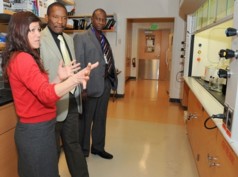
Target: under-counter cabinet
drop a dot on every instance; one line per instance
(213, 155)
(8, 153)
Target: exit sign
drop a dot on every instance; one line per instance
(154, 26)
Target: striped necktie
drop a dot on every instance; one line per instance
(107, 53)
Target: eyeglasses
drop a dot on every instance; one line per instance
(33, 30)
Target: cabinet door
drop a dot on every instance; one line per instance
(8, 155)
(207, 143)
(195, 112)
(227, 160)
(185, 95)
(8, 118)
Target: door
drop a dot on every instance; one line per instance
(153, 45)
(128, 50)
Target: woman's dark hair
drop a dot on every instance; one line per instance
(17, 39)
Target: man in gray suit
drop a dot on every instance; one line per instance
(93, 46)
(69, 106)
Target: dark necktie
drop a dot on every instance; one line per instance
(107, 53)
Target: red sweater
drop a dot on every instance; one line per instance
(34, 97)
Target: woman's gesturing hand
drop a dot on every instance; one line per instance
(83, 75)
(66, 71)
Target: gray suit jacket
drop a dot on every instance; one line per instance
(88, 49)
(51, 57)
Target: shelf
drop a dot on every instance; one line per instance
(76, 31)
(67, 2)
(9, 12)
(82, 22)
(4, 18)
(89, 16)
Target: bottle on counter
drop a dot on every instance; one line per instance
(210, 82)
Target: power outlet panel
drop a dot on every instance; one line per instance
(227, 122)
(226, 108)
(229, 119)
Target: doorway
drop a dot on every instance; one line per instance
(148, 38)
(153, 51)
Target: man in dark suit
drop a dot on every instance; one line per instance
(69, 106)
(92, 46)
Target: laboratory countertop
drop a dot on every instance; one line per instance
(211, 105)
(218, 95)
(5, 96)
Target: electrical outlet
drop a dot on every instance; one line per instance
(226, 108)
(229, 119)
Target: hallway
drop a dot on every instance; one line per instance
(146, 134)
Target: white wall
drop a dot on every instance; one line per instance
(179, 36)
(137, 9)
(1, 6)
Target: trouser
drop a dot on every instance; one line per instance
(68, 130)
(94, 119)
(37, 155)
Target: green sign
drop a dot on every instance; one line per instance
(154, 26)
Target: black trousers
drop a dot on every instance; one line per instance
(94, 120)
(68, 130)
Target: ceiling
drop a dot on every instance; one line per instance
(189, 6)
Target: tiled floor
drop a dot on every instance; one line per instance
(146, 134)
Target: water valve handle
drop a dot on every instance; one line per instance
(227, 53)
(222, 73)
(222, 53)
(231, 32)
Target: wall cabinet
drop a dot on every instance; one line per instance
(213, 155)
(212, 12)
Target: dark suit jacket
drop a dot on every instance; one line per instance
(88, 49)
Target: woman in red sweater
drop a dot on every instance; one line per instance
(34, 97)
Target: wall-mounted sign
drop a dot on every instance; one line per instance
(150, 43)
(154, 26)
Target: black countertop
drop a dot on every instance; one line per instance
(5, 96)
(218, 95)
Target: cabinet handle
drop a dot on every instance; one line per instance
(211, 158)
(192, 116)
(214, 164)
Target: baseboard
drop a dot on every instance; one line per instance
(174, 100)
(184, 107)
(117, 95)
(132, 78)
